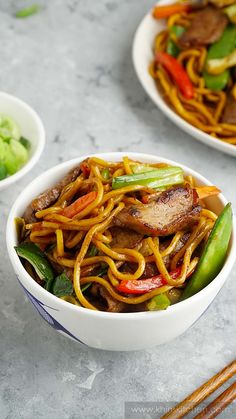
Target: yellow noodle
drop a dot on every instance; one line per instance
(173, 244)
(160, 41)
(188, 54)
(209, 214)
(191, 72)
(70, 190)
(43, 232)
(100, 162)
(95, 229)
(220, 106)
(112, 278)
(50, 210)
(60, 242)
(76, 239)
(118, 172)
(121, 191)
(110, 262)
(127, 168)
(103, 238)
(192, 243)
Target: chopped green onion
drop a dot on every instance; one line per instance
(154, 179)
(159, 302)
(86, 286)
(26, 143)
(28, 11)
(105, 174)
(15, 157)
(13, 148)
(103, 269)
(8, 128)
(141, 168)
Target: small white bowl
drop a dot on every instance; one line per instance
(31, 127)
(113, 331)
(142, 57)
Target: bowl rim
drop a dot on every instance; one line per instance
(156, 97)
(37, 289)
(39, 145)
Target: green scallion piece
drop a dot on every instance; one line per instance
(28, 11)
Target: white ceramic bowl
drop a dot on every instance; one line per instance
(112, 331)
(31, 127)
(142, 57)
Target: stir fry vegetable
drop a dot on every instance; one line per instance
(37, 259)
(160, 12)
(80, 204)
(177, 72)
(220, 49)
(152, 178)
(219, 65)
(231, 12)
(141, 286)
(62, 286)
(175, 32)
(159, 302)
(214, 254)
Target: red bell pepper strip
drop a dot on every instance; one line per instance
(177, 72)
(142, 286)
(161, 12)
(80, 204)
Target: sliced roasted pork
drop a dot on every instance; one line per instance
(229, 114)
(110, 303)
(173, 210)
(206, 28)
(125, 238)
(47, 198)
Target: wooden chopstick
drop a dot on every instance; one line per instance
(202, 392)
(219, 404)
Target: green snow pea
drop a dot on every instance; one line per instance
(213, 256)
(172, 48)
(37, 259)
(220, 49)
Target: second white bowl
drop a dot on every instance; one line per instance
(142, 57)
(30, 126)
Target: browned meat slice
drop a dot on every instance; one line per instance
(112, 305)
(47, 198)
(173, 210)
(229, 115)
(206, 28)
(125, 238)
(149, 271)
(180, 244)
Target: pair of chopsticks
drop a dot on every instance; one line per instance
(217, 405)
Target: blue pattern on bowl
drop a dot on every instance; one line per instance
(45, 314)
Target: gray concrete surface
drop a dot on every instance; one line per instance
(72, 63)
